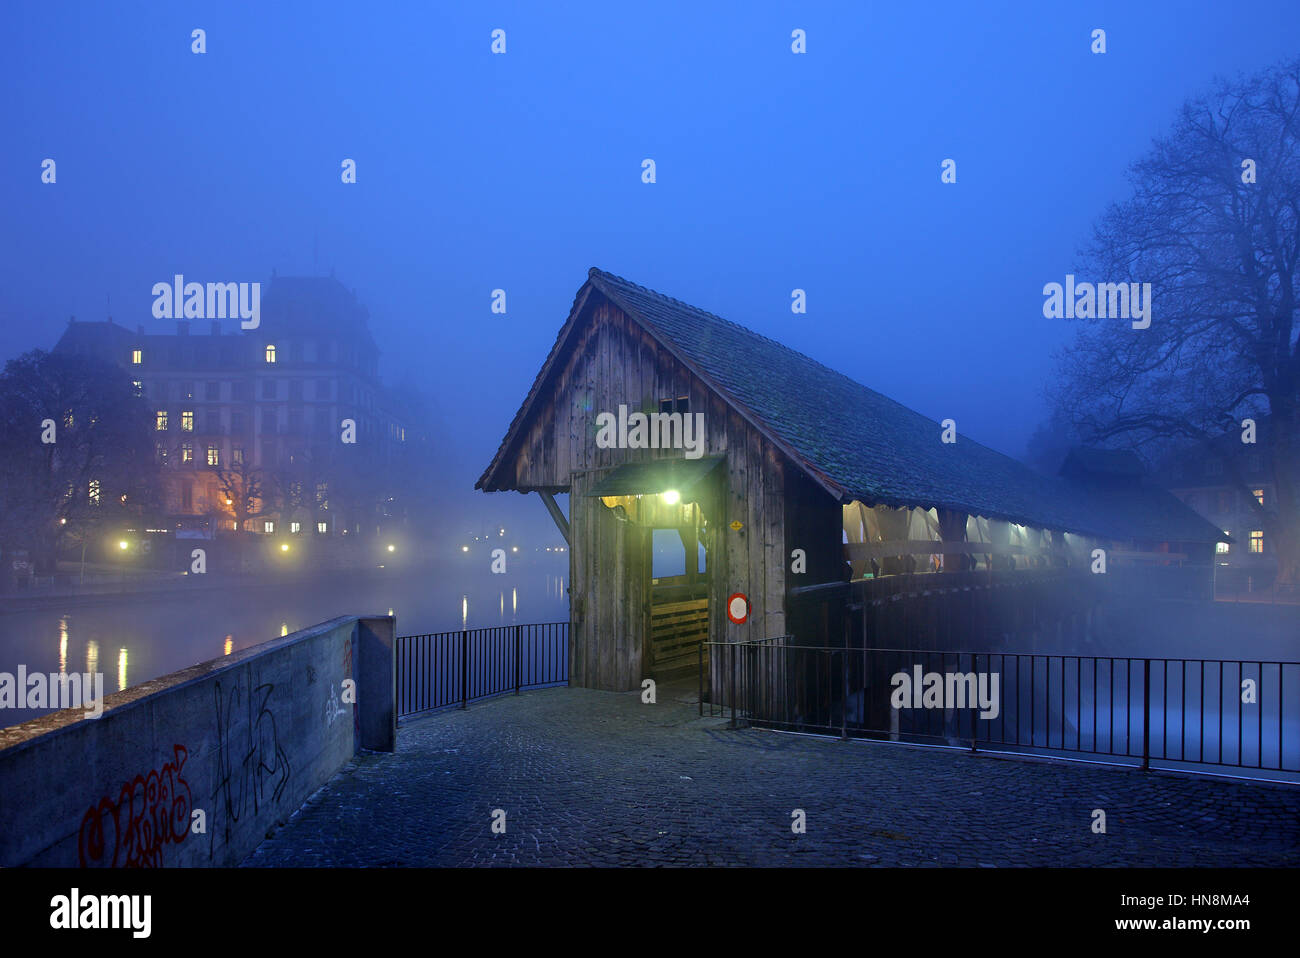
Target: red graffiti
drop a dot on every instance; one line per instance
(151, 811)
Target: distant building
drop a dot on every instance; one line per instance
(1205, 478)
(271, 401)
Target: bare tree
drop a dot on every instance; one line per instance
(75, 452)
(241, 492)
(1214, 225)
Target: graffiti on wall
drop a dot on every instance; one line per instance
(151, 810)
(252, 767)
(347, 674)
(333, 707)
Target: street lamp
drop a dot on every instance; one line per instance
(672, 497)
(123, 544)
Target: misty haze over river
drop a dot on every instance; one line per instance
(132, 639)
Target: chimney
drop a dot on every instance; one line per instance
(182, 327)
(216, 328)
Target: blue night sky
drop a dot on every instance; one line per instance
(520, 171)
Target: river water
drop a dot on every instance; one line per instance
(132, 640)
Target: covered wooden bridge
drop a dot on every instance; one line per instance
(778, 475)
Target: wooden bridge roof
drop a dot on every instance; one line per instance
(859, 444)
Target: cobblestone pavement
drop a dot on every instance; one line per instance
(598, 778)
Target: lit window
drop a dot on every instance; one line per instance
(160, 420)
(322, 527)
(187, 421)
(1257, 542)
(187, 451)
(268, 526)
(214, 454)
(1222, 547)
(295, 527)
(237, 454)
(160, 452)
(138, 386)
(270, 353)
(1259, 495)
(94, 492)
(137, 357)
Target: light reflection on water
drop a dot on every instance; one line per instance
(158, 635)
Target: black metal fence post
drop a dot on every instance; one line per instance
(464, 668)
(517, 662)
(700, 670)
(844, 694)
(974, 713)
(732, 646)
(1146, 714)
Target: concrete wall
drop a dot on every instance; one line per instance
(243, 740)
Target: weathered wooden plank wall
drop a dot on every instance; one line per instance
(613, 362)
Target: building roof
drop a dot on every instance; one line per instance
(317, 305)
(859, 444)
(1200, 464)
(1093, 461)
(96, 340)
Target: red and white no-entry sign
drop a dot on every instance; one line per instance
(738, 608)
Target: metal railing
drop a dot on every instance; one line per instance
(1185, 712)
(441, 669)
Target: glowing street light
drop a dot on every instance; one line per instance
(464, 548)
(672, 497)
(392, 548)
(123, 545)
(284, 547)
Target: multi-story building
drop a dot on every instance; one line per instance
(278, 403)
(1209, 480)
